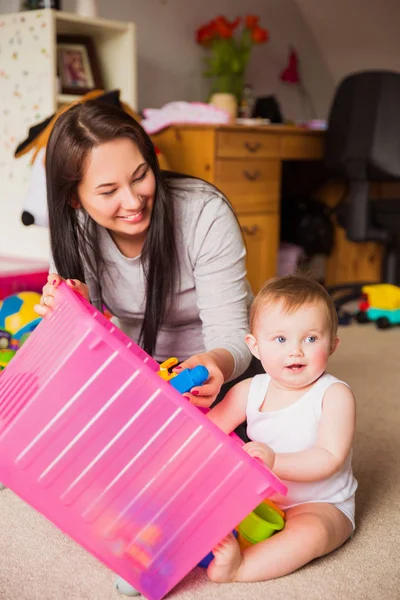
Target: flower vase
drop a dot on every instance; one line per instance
(226, 102)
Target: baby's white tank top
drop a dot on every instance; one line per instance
(295, 428)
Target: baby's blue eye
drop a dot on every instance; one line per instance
(280, 339)
(311, 339)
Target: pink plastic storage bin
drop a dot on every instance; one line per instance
(20, 275)
(114, 456)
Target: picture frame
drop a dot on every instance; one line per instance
(77, 65)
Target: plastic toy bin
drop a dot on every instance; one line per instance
(20, 275)
(95, 440)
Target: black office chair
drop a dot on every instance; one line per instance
(362, 146)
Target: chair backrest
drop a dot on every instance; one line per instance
(363, 142)
(363, 137)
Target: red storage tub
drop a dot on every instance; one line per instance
(21, 275)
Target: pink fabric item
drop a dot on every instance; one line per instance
(157, 119)
(96, 441)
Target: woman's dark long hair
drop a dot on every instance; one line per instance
(74, 242)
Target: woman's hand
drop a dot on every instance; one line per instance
(261, 451)
(203, 395)
(53, 281)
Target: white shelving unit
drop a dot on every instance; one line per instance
(29, 94)
(115, 45)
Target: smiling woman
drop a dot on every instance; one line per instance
(161, 251)
(117, 197)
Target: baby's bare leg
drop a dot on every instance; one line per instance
(311, 530)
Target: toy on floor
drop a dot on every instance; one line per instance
(5, 357)
(380, 304)
(16, 312)
(260, 524)
(114, 456)
(17, 321)
(5, 339)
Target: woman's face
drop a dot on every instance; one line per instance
(117, 190)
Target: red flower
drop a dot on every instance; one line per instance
(251, 21)
(206, 33)
(224, 28)
(259, 35)
(235, 23)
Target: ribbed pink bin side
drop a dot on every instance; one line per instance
(96, 441)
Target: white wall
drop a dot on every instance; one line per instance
(354, 35)
(170, 63)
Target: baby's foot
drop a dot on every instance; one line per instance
(227, 561)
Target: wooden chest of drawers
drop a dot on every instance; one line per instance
(245, 164)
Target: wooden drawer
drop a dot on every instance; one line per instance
(245, 144)
(250, 185)
(302, 146)
(261, 234)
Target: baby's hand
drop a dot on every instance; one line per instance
(262, 452)
(53, 281)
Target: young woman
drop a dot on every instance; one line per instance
(163, 252)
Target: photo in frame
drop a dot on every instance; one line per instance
(77, 65)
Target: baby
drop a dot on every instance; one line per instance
(301, 421)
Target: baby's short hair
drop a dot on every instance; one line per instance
(294, 291)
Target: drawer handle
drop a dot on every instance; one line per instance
(252, 147)
(253, 230)
(252, 176)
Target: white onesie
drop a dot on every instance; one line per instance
(293, 429)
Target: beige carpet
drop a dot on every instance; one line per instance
(39, 563)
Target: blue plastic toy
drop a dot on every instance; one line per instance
(189, 378)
